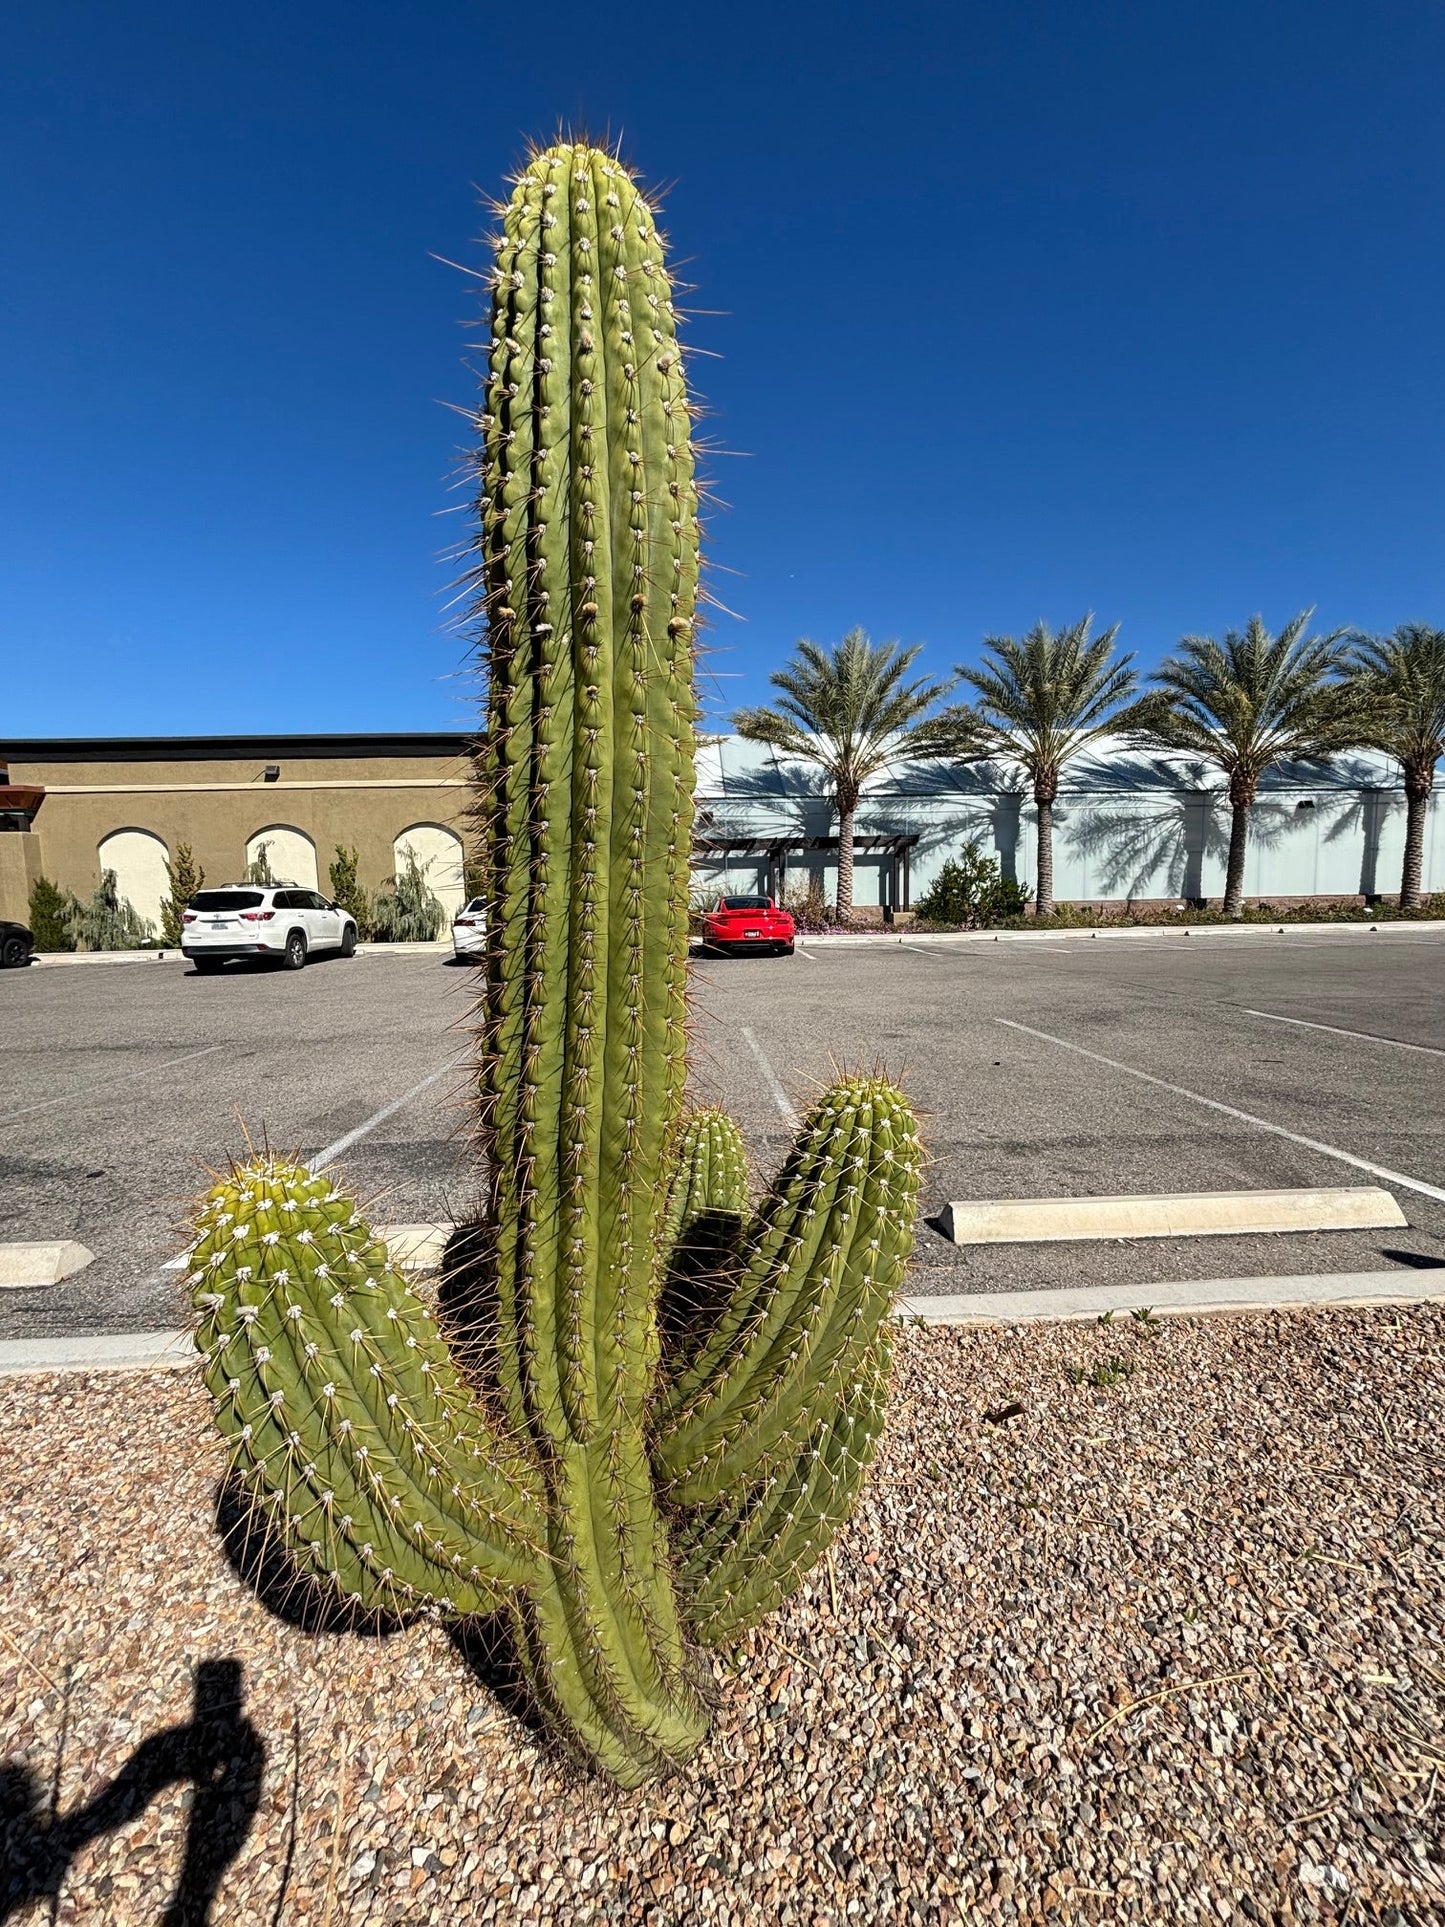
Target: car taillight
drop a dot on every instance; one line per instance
(464, 923)
(257, 916)
(188, 916)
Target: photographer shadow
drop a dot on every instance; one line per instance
(219, 1751)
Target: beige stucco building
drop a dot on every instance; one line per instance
(74, 808)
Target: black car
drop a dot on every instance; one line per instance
(16, 944)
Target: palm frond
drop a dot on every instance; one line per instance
(1042, 699)
(1254, 700)
(849, 709)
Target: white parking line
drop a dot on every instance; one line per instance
(1228, 1110)
(780, 1096)
(101, 1083)
(1364, 1036)
(343, 1144)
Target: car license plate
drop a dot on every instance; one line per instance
(752, 933)
(218, 923)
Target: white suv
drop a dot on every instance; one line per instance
(276, 920)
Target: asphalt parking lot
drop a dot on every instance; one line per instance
(1040, 1069)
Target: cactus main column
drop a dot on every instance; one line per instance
(589, 546)
(617, 1497)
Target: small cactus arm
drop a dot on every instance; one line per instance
(625, 1488)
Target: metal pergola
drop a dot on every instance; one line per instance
(897, 879)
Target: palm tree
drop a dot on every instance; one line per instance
(1039, 703)
(1402, 678)
(849, 710)
(1250, 702)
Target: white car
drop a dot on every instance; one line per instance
(469, 929)
(279, 921)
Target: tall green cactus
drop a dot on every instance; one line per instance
(623, 1489)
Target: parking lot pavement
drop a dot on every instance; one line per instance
(1009, 1113)
(121, 1085)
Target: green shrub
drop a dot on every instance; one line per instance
(969, 892)
(258, 870)
(109, 921)
(347, 892)
(186, 877)
(50, 916)
(405, 911)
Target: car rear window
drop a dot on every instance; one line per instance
(225, 900)
(745, 903)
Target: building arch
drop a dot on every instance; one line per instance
(139, 859)
(439, 856)
(289, 851)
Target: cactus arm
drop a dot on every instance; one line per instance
(744, 1557)
(346, 1420)
(710, 1176)
(827, 1255)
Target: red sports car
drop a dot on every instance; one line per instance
(748, 923)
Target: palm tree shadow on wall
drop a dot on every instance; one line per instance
(1364, 815)
(986, 800)
(1154, 843)
(218, 1750)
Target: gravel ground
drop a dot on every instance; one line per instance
(1162, 1649)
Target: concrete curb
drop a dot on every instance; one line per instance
(33, 1265)
(48, 958)
(162, 1351)
(1188, 1214)
(1199, 1298)
(1083, 933)
(1195, 1298)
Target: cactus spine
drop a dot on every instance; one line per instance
(622, 1499)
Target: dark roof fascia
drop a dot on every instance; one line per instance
(227, 749)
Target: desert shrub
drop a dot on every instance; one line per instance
(109, 921)
(186, 877)
(405, 911)
(809, 908)
(348, 893)
(258, 870)
(969, 893)
(50, 924)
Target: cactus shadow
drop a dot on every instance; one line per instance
(219, 1751)
(260, 1560)
(487, 1647)
(699, 1283)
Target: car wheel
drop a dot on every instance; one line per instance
(206, 966)
(294, 955)
(14, 953)
(348, 941)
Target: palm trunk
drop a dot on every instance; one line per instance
(845, 860)
(1418, 784)
(1241, 795)
(1044, 865)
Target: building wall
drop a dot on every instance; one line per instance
(1147, 829)
(1126, 828)
(212, 794)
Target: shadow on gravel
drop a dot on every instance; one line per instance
(219, 1751)
(1417, 1260)
(261, 1562)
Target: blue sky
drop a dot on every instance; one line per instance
(1024, 310)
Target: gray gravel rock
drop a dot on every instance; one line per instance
(1166, 1648)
